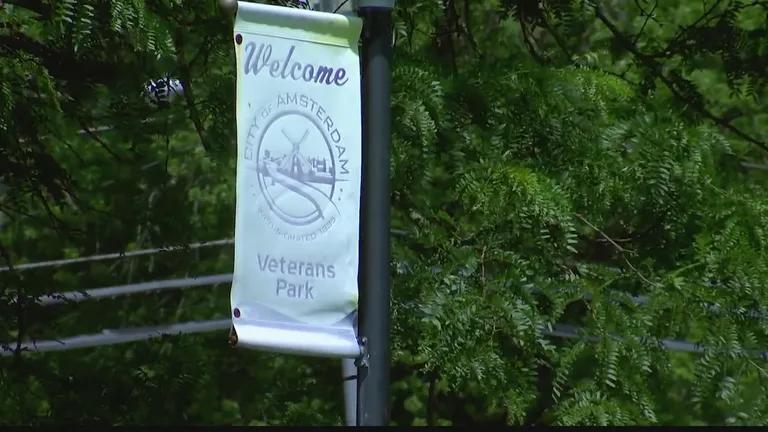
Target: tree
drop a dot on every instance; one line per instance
(582, 163)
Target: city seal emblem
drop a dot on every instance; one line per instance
(298, 155)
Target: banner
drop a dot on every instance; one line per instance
(298, 181)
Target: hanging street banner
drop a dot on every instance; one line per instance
(298, 181)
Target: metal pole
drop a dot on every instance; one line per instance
(374, 277)
(349, 375)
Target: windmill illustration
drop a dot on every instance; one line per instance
(295, 164)
(304, 184)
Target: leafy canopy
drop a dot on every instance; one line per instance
(592, 164)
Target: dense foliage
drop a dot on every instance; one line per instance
(559, 164)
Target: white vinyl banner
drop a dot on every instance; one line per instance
(298, 181)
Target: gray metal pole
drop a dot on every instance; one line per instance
(374, 277)
(348, 374)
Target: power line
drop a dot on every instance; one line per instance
(61, 262)
(112, 337)
(573, 332)
(118, 336)
(750, 165)
(642, 300)
(151, 251)
(121, 290)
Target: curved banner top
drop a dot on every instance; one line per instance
(297, 217)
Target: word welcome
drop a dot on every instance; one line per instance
(256, 59)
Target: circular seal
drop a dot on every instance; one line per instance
(293, 146)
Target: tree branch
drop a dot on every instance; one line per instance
(619, 248)
(528, 42)
(656, 67)
(679, 36)
(57, 62)
(20, 300)
(467, 27)
(648, 17)
(33, 5)
(558, 39)
(100, 141)
(432, 400)
(189, 95)
(450, 27)
(7, 258)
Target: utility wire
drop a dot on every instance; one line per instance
(110, 337)
(151, 251)
(573, 332)
(61, 262)
(113, 337)
(121, 290)
(340, 6)
(118, 336)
